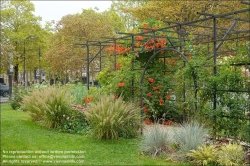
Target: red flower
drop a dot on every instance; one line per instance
(138, 44)
(168, 97)
(115, 96)
(170, 93)
(118, 66)
(139, 38)
(159, 86)
(145, 109)
(148, 121)
(151, 80)
(161, 101)
(120, 84)
(158, 92)
(145, 25)
(88, 99)
(149, 94)
(169, 122)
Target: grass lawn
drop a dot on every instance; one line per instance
(24, 142)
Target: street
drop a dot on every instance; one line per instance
(4, 99)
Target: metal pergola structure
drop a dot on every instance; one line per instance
(214, 38)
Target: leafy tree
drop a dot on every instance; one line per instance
(185, 11)
(122, 9)
(66, 57)
(18, 24)
(119, 25)
(5, 57)
(180, 11)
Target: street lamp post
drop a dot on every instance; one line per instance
(24, 60)
(24, 66)
(39, 54)
(10, 74)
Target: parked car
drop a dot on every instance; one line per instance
(4, 90)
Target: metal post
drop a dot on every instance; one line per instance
(114, 53)
(39, 54)
(215, 72)
(10, 74)
(184, 95)
(24, 66)
(100, 65)
(87, 72)
(133, 80)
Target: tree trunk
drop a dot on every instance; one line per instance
(16, 73)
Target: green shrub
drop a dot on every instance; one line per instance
(231, 154)
(156, 139)
(189, 136)
(48, 105)
(74, 124)
(108, 117)
(204, 155)
(245, 134)
(18, 93)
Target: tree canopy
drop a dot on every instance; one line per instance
(18, 25)
(66, 53)
(61, 42)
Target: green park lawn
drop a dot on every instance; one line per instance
(24, 142)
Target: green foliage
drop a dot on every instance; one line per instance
(204, 155)
(160, 99)
(71, 31)
(230, 116)
(109, 78)
(108, 117)
(245, 134)
(78, 92)
(231, 154)
(75, 123)
(189, 136)
(228, 154)
(243, 54)
(48, 105)
(18, 23)
(18, 93)
(156, 140)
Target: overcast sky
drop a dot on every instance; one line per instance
(55, 10)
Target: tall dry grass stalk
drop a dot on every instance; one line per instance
(110, 118)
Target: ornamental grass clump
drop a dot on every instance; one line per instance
(109, 118)
(189, 136)
(156, 140)
(204, 155)
(231, 154)
(225, 155)
(48, 105)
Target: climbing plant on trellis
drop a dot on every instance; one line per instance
(178, 74)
